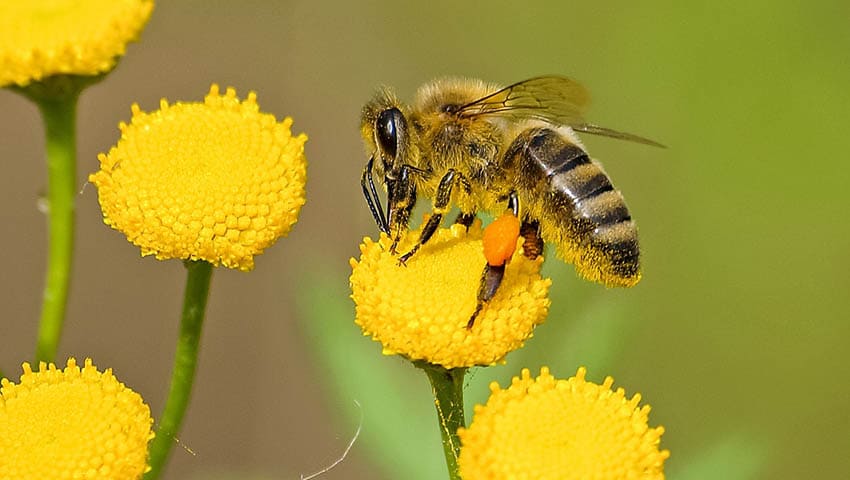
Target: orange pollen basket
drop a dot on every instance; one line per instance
(500, 239)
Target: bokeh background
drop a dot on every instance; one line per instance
(737, 336)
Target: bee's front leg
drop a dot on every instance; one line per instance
(441, 205)
(401, 192)
(372, 198)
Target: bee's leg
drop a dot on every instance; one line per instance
(491, 278)
(441, 203)
(465, 219)
(372, 199)
(494, 270)
(532, 247)
(402, 198)
(513, 203)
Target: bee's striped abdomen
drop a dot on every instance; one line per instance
(578, 207)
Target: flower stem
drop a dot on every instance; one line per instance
(447, 387)
(59, 115)
(199, 274)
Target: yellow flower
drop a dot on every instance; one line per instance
(561, 429)
(41, 38)
(76, 423)
(420, 310)
(215, 181)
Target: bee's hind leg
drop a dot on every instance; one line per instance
(532, 247)
(491, 278)
(494, 270)
(492, 275)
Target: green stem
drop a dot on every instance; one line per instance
(447, 387)
(56, 97)
(199, 274)
(59, 115)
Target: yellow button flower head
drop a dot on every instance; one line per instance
(41, 38)
(76, 423)
(420, 310)
(571, 429)
(215, 181)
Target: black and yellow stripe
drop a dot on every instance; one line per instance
(578, 207)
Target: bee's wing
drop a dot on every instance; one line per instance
(607, 132)
(558, 100)
(553, 99)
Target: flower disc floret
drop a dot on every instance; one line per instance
(41, 38)
(421, 309)
(217, 181)
(72, 423)
(546, 428)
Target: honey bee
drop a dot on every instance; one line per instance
(486, 148)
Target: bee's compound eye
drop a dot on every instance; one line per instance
(386, 128)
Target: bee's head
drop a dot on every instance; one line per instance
(386, 133)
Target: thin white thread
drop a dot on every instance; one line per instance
(345, 453)
(182, 445)
(185, 447)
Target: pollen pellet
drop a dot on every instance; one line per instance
(500, 239)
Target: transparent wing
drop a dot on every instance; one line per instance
(607, 132)
(553, 99)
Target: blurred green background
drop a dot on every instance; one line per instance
(737, 336)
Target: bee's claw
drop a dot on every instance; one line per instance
(472, 318)
(402, 260)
